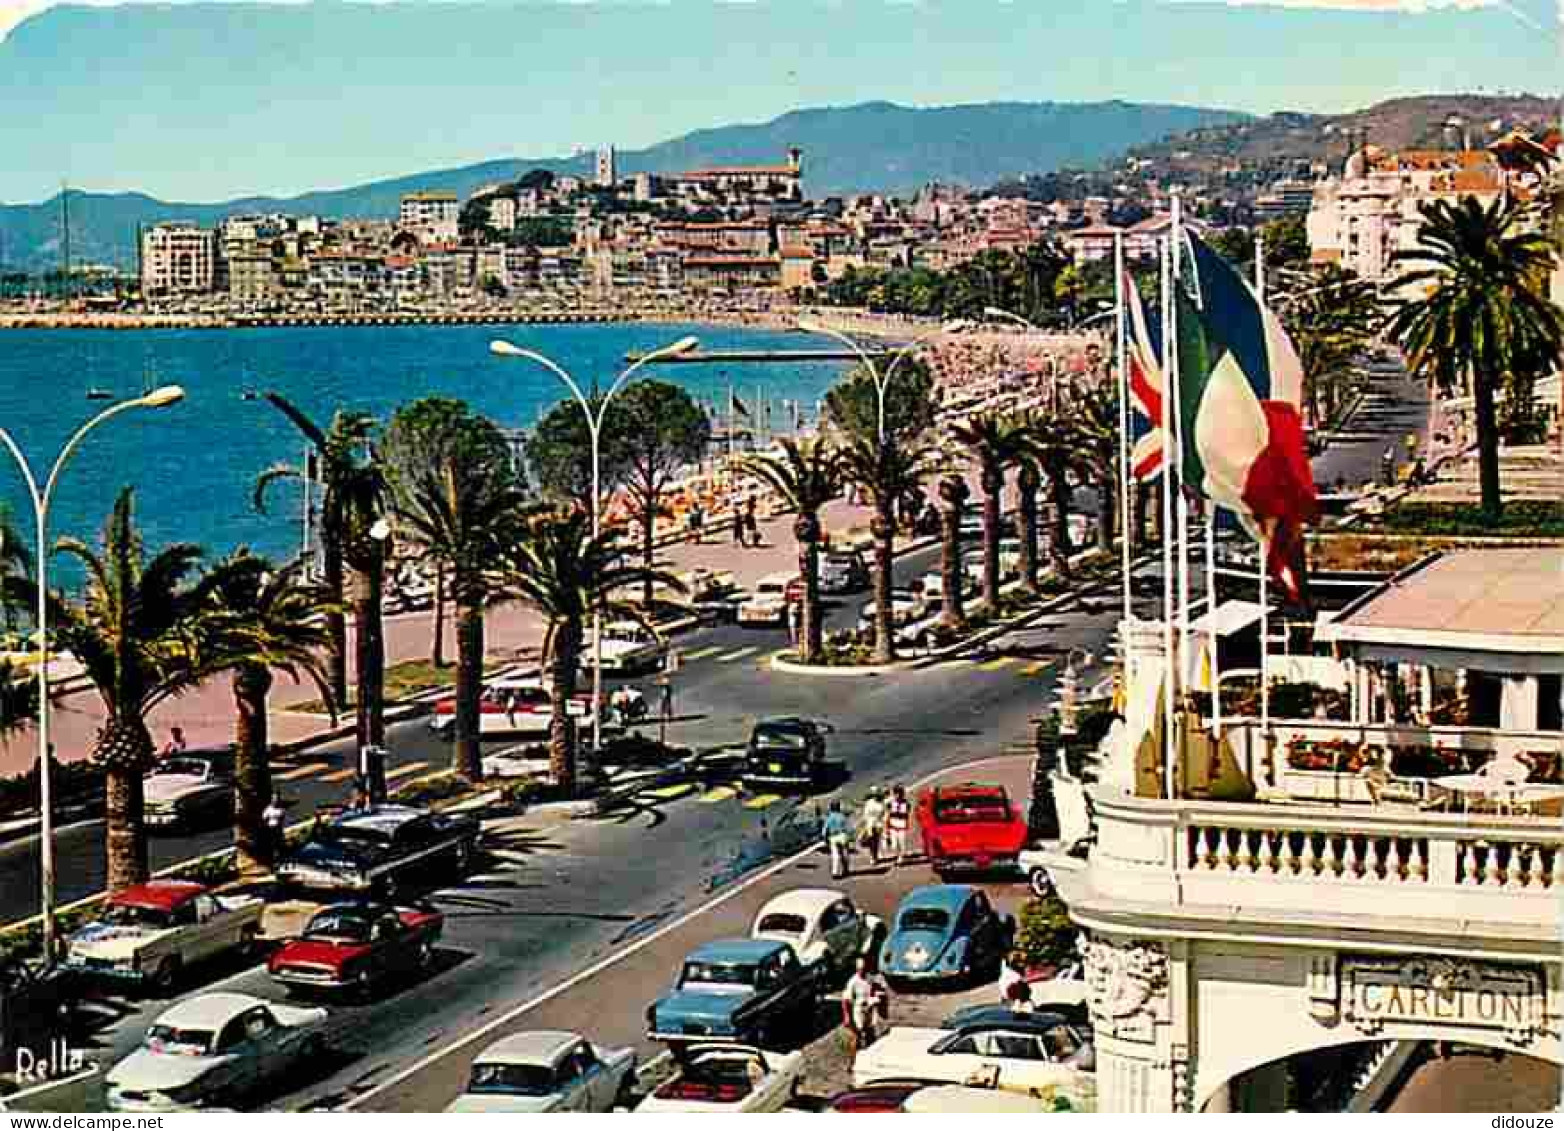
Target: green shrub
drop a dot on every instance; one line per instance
(1045, 936)
(1523, 518)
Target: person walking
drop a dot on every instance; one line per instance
(871, 824)
(274, 819)
(175, 745)
(898, 818)
(697, 521)
(866, 1001)
(751, 523)
(838, 839)
(738, 523)
(795, 623)
(1011, 974)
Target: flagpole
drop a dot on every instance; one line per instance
(1263, 554)
(1166, 524)
(1177, 217)
(1212, 635)
(1124, 421)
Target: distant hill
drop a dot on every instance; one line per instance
(872, 147)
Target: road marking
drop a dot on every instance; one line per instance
(721, 793)
(340, 775)
(738, 655)
(403, 771)
(1036, 668)
(953, 665)
(995, 665)
(762, 801)
(306, 771)
(670, 792)
(702, 653)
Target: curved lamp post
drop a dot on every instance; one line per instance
(594, 419)
(157, 398)
(882, 381)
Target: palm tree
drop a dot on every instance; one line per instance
(139, 633)
(1054, 445)
(1096, 426)
(457, 495)
(1478, 312)
(338, 458)
(994, 442)
(807, 475)
(1330, 322)
(953, 493)
(265, 618)
(558, 568)
(888, 472)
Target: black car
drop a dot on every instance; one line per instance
(1064, 1035)
(380, 848)
(785, 752)
(36, 1004)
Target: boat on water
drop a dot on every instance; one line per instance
(99, 394)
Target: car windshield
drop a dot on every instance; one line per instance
(181, 1042)
(779, 739)
(190, 767)
(924, 919)
(781, 923)
(123, 915)
(343, 926)
(356, 836)
(716, 974)
(511, 1080)
(971, 810)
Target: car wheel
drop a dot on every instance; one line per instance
(1042, 886)
(165, 979)
(425, 956)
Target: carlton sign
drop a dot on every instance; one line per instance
(1376, 992)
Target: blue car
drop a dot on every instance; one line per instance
(945, 933)
(747, 989)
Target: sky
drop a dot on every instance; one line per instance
(197, 101)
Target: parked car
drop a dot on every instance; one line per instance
(628, 647)
(713, 1077)
(824, 928)
(970, 827)
(150, 933)
(514, 705)
(546, 1071)
(190, 790)
(882, 1096)
(932, 587)
(1010, 557)
(1033, 864)
(843, 571)
(36, 1004)
(355, 946)
(747, 989)
(959, 1099)
(767, 604)
(1016, 1051)
(945, 933)
(906, 606)
(213, 1050)
(785, 752)
(379, 848)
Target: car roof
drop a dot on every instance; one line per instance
(158, 895)
(207, 1011)
(383, 818)
(363, 907)
(809, 902)
(941, 897)
(784, 722)
(736, 950)
(968, 790)
(777, 578)
(1001, 1016)
(542, 1046)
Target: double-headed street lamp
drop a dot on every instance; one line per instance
(594, 419)
(882, 381)
(157, 398)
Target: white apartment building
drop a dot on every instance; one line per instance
(431, 215)
(502, 213)
(178, 259)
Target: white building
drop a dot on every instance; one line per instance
(606, 172)
(430, 215)
(502, 213)
(178, 258)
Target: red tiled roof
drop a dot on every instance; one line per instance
(740, 171)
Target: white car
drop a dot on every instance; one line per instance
(1017, 1051)
(956, 1099)
(932, 587)
(1067, 988)
(150, 933)
(212, 1050)
(627, 647)
(823, 927)
(190, 789)
(514, 705)
(529, 1073)
(906, 606)
(718, 1077)
(767, 604)
(516, 762)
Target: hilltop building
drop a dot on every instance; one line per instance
(432, 216)
(607, 174)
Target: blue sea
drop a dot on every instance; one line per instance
(194, 465)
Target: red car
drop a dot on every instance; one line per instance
(970, 827)
(354, 946)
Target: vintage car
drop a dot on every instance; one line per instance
(945, 933)
(513, 705)
(628, 647)
(538, 1072)
(970, 827)
(824, 928)
(785, 752)
(714, 1077)
(190, 790)
(906, 607)
(932, 587)
(36, 1005)
(959, 1099)
(355, 946)
(213, 1050)
(379, 848)
(880, 1097)
(150, 933)
(767, 603)
(1023, 1052)
(746, 989)
(843, 571)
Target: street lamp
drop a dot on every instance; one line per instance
(157, 398)
(882, 381)
(594, 420)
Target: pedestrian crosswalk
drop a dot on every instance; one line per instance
(702, 653)
(737, 654)
(1037, 668)
(998, 664)
(720, 793)
(761, 801)
(403, 771)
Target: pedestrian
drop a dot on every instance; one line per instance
(738, 524)
(838, 839)
(274, 820)
(665, 698)
(898, 817)
(751, 523)
(866, 1001)
(871, 824)
(175, 745)
(795, 623)
(1011, 973)
(697, 521)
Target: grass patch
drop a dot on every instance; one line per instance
(1522, 518)
(406, 678)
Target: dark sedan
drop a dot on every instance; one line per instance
(381, 848)
(785, 752)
